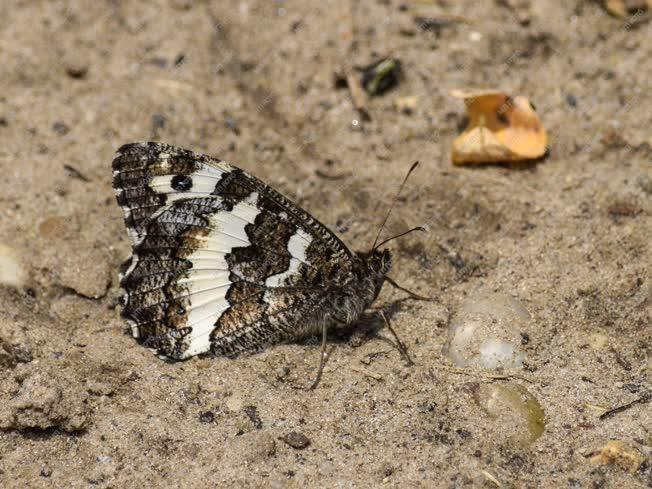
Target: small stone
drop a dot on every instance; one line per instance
(519, 413)
(252, 413)
(598, 341)
(87, 272)
(158, 121)
(623, 208)
(44, 401)
(296, 440)
(61, 128)
(76, 69)
(207, 417)
(234, 403)
(99, 388)
(53, 226)
(12, 354)
(407, 104)
(11, 271)
(645, 183)
(488, 331)
(260, 447)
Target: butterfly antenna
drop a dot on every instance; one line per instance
(418, 228)
(391, 207)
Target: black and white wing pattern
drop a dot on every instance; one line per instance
(221, 262)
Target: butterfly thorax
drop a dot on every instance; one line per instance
(375, 264)
(369, 270)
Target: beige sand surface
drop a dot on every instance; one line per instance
(83, 405)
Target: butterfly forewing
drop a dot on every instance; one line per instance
(220, 260)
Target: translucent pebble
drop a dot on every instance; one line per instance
(488, 331)
(518, 413)
(11, 272)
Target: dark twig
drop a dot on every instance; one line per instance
(75, 173)
(641, 400)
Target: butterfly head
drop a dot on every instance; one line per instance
(378, 262)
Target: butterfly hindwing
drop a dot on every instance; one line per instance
(220, 260)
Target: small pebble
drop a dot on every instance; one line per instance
(475, 36)
(61, 128)
(571, 100)
(206, 417)
(598, 341)
(296, 440)
(516, 410)
(12, 354)
(488, 331)
(158, 121)
(11, 271)
(252, 414)
(645, 183)
(76, 69)
(234, 403)
(406, 104)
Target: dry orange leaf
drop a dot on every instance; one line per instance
(623, 8)
(501, 128)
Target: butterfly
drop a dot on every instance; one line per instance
(224, 264)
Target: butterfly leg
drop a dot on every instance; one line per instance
(322, 361)
(399, 344)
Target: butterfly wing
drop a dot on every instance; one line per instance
(220, 260)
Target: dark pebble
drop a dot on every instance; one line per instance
(252, 413)
(158, 121)
(296, 440)
(61, 128)
(571, 100)
(77, 71)
(207, 417)
(159, 62)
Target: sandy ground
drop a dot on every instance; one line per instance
(82, 404)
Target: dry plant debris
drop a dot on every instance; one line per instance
(615, 452)
(501, 128)
(623, 8)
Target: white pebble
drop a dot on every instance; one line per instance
(475, 36)
(487, 332)
(11, 272)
